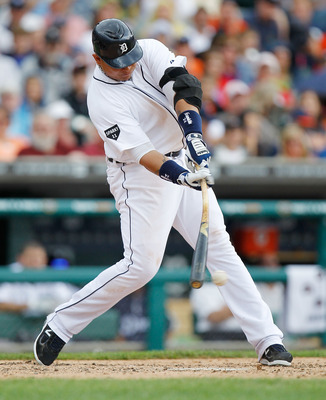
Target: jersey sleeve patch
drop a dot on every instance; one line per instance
(113, 132)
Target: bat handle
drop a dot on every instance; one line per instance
(204, 189)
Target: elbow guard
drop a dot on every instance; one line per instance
(186, 86)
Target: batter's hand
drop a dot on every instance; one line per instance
(192, 179)
(197, 150)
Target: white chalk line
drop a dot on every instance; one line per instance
(207, 369)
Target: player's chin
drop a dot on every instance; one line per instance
(125, 77)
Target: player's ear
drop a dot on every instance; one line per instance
(97, 59)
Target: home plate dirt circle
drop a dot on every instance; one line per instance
(161, 369)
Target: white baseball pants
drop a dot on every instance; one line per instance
(149, 207)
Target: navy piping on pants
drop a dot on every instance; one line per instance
(130, 246)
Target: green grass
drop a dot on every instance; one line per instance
(162, 389)
(212, 388)
(159, 354)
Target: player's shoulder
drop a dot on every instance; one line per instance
(149, 45)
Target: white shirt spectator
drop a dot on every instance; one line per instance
(10, 73)
(205, 301)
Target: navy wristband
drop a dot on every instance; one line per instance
(170, 171)
(191, 122)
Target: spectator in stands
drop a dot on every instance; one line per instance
(250, 45)
(213, 320)
(311, 15)
(195, 65)
(309, 116)
(275, 24)
(230, 21)
(233, 100)
(200, 32)
(236, 97)
(10, 72)
(72, 25)
(270, 70)
(52, 65)
(23, 45)
(76, 97)
(269, 97)
(92, 143)
(44, 138)
(270, 22)
(210, 98)
(268, 67)
(294, 142)
(9, 146)
(311, 59)
(262, 138)
(214, 133)
(32, 298)
(32, 255)
(16, 11)
(62, 113)
(318, 19)
(303, 10)
(11, 98)
(229, 48)
(214, 66)
(163, 26)
(309, 112)
(232, 149)
(265, 100)
(248, 56)
(107, 9)
(283, 54)
(32, 102)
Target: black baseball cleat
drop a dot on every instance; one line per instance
(47, 346)
(276, 354)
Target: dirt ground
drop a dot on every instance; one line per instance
(302, 368)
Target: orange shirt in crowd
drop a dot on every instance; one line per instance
(10, 147)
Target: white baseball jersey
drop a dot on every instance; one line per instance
(133, 118)
(137, 112)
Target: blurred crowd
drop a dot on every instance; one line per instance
(262, 64)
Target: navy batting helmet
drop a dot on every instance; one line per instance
(115, 43)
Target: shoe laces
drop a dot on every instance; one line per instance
(278, 347)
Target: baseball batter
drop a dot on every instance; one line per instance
(145, 106)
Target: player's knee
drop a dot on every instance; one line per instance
(146, 272)
(139, 268)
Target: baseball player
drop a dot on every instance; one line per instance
(145, 106)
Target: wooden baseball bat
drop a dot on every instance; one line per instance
(197, 275)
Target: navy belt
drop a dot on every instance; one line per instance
(113, 161)
(171, 154)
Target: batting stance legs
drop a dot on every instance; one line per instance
(146, 220)
(147, 216)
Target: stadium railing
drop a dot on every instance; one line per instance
(156, 288)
